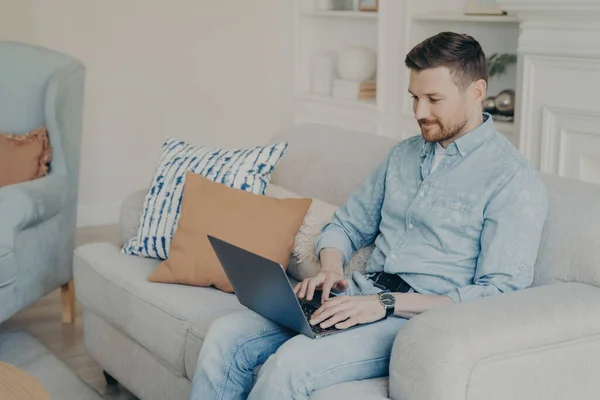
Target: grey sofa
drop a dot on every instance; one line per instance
(40, 87)
(539, 343)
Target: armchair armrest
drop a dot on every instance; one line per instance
(541, 343)
(28, 203)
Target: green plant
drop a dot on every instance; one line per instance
(497, 63)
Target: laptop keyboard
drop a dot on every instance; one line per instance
(308, 310)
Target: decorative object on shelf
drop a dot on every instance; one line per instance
(337, 5)
(322, 73)
(497, 63)
(501, 106)
(353, 90)
(489, 105)
(505, 103)
(483, 7)
(503, 118)
(368, 5)
(357, 64)
(323, 5)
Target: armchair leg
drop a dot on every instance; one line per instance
(67, 294)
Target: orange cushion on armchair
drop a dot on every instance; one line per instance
(24, 157)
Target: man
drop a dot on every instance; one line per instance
(456, 214)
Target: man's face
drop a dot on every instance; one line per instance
(440, 107)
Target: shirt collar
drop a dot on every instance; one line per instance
(468, 142)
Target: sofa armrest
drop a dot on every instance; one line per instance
(540, 342)
(28, 203)
(130, 215)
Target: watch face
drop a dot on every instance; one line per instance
(387, 299)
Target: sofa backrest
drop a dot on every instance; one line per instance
(329, 163)
(326, 162)
(570, 247)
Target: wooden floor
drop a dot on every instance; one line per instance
(43, 320)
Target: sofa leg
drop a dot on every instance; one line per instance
(67, 292)
(109, 379)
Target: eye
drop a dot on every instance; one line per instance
(434, 100)
(414, 97)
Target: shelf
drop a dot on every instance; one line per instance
(342, 14)
(505, 127)
(453, 17)
(356, 115)
(370, 105)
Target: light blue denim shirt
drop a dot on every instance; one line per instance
(469, 229)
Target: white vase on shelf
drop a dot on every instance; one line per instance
(356, 63)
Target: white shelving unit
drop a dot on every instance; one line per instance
(455, 17)
(340, 14)
(320, 32)
(391, 33)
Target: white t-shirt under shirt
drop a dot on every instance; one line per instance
(439, 153)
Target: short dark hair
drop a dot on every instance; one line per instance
(460, 53)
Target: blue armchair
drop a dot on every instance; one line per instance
(40, 87)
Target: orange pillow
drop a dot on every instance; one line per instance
(262, 224)
(24, 157)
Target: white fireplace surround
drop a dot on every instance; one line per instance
(558, 89)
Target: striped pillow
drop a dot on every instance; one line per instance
(246, 169)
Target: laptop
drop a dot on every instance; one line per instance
(263, 286)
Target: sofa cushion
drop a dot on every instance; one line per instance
(157, 316)
(246, 169)
(261, 224)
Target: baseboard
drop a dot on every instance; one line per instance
(98, 214)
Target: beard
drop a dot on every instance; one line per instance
(433, 130)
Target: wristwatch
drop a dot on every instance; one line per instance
(388, 301)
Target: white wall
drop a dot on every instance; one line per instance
(214, 72)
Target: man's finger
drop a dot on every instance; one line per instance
(302, 290)
(341, 284)
(327, 285)
(329, 312)
(332, 302)
(312, 285)
(338, 317)
(347, 323)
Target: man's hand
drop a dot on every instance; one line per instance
(331, 276)
(325, 281)
(347, 311)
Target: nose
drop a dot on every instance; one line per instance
(421, 109)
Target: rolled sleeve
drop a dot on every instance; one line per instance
(356, 223)
(336, 238)
(513, 223)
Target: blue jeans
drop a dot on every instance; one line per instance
(293, 365)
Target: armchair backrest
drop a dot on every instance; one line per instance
(42, 87)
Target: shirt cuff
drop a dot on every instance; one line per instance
(334, 237)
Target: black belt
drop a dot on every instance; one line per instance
(391, 282)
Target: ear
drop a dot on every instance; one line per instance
(479, 90)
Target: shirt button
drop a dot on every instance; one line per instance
(410, 226)
(421, 194)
